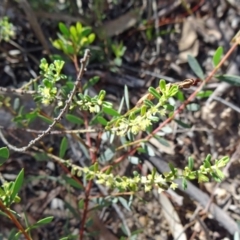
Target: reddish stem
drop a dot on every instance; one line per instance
(90, 183)
(14, 220)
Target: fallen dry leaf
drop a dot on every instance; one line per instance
(188, 44)
(121, 24)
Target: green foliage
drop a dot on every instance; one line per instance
(47, 90)
(63, 147)
(118, 50)
(74, 119)
(231, 79)
(9, 194)
(74, 39)
(207, 169)
(162, 182)
(41, 223)
(4, 155)
(217, 56)
(17, 186)
(204, 94)
(7, 30)
(140, 118)
(91, 82)
(193, 63)
(9, 190)
(93, 105)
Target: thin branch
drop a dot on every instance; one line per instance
(19, 91)
(56, 132)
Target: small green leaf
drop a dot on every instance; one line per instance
(169, 107)
(163, 141)
(101, 96)
(180, 96)
(83, 41)
(202, 178)
(184, 184)
(107, 155)
(17, 184)
(91, 82)
(148, 149)
(73, 34)
(16, 103)
(64, 30)
(45, 119)
(162, 85)
(118, 61)
(217, 56)
(81, 204)
(91, 38)
(173, 90)
(42, 222)
(63, 147)
(114, 49)
(154, 119)
(143, 110)
(58, 44)
(182, 124)
(41, 157)
(208, 158)
(96, 167)
(193, 107)
(136, 233)
(79, 28)
(204, 94)
(193, 63)
(124, 202)
(154, 92)
(148, 103)
(166, 130)
(190, 163)
(31, 116)
(233, 80)
(110, 112)
(4, 155)
(72, 182)
(86, 31)
(102, 120)
(69, 49)
(216, 177)
(126, 97)
(220, 174)
(134, 160)
(17, 236)
(207, 161)
(191, 176)
(223, 161)
(73, 119)
(172, 168)
(12, 235)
